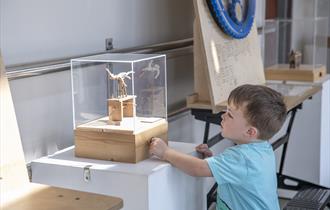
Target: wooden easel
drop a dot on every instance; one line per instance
(16, 192)
(221, 63)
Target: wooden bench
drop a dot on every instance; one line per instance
(37, 197)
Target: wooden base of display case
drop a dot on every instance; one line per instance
(306, 73)
(122, 143)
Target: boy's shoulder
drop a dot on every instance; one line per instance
(253, 147)
(248, 152)
(262, 144)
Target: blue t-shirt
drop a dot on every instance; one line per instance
(246, 177)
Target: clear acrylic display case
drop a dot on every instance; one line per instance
(119, 104)
(296, 44)
(308, 36)
(309, 8)
(119, 92)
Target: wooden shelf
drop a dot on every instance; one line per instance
(307, 73)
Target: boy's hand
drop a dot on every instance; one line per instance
(158, 148)
(204, 150)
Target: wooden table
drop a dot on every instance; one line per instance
(294, 94)
(39, 197)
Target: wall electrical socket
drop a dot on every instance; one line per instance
(108, 44)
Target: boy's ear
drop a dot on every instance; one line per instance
(252, 132)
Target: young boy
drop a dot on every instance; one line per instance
(245, 173)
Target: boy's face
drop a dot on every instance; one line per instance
(234, 125)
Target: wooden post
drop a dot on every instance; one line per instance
(128, 106)
(115, 110)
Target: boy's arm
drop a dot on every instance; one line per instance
(189, 164)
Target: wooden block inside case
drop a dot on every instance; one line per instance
(120, 108)
(99, 140)
(306, 73)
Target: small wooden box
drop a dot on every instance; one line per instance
(120, 108)
(305, 73)
(99, 140)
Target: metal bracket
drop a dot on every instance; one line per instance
(29, 170)
(87, 173)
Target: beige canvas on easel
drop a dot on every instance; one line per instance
(13, 171)
(221, 62)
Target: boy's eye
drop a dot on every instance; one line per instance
(228, 113)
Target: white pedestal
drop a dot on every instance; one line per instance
(308, 156)
(148, 185)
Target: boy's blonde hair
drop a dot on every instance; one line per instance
(263, 108)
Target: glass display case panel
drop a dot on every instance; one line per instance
(296, 49)
(122, 93)
(309, 8)
(307, 38)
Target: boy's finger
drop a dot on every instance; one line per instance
(203, 147)
(199, 146)
(200, 150)
(152, 140)
(151, 153)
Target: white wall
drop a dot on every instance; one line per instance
(36, 30)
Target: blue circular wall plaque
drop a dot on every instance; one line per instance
(230, 21)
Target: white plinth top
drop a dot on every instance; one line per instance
(66, 157)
